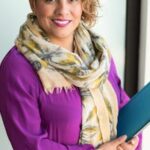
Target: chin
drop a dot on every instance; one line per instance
(62, 35)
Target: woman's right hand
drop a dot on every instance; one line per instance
(113, 144)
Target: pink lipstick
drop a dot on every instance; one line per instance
(61, 23)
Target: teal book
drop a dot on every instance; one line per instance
(135, 115)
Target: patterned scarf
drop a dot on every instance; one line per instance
(87, 68)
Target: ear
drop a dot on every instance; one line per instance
(32, 4)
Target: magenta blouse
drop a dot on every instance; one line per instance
(35, 120)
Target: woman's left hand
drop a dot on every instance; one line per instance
(130, 145)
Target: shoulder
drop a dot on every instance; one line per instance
(15, 68)
(15, 62)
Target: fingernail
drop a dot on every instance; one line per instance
(124, 136)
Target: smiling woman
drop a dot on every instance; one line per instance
(60, 87)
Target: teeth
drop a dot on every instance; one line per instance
(61, 22)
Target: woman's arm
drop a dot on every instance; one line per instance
(20, 111)
(123, 98)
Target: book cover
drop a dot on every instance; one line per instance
(135, 115)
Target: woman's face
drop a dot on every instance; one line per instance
(58, 18)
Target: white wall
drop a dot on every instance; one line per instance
(12, 14)
(111, 26)
(144, 71)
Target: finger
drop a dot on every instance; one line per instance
(134, 141)
(126, 146)
(119, 140)
(119, 148)
(132, 144)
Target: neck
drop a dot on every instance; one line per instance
(65, 43)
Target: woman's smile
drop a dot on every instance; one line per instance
(61, 22)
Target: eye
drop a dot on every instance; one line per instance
(50, 1)
(74, 1)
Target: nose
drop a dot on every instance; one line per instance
(62, 8)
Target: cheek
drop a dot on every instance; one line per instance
(43, 16)
(78, 13)
(42, 11)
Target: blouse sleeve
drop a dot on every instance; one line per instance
(20, 112)
(122, 96)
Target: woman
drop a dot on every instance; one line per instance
(60, 87)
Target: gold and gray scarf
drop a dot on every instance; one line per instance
(87, 68)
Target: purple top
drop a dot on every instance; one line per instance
(36, 121)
